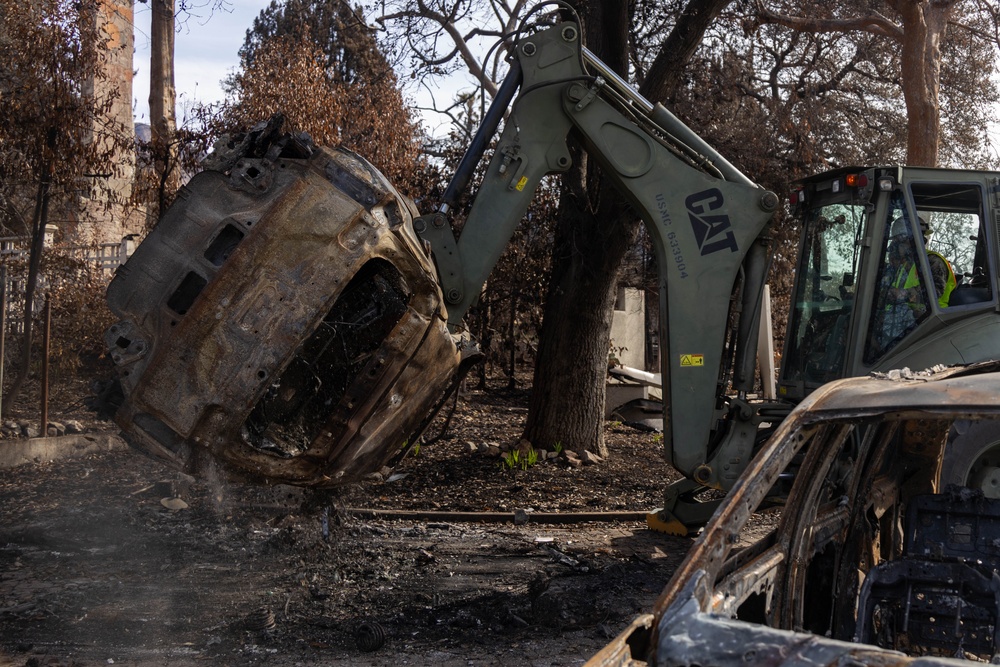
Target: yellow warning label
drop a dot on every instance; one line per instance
(521, 183)
(692, 360)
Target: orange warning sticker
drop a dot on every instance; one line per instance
(692, 360)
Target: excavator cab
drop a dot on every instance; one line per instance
(897, 268)
(823, 297)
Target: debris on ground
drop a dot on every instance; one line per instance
(115, 557)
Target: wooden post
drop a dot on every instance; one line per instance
(46, 335)
(3, 329)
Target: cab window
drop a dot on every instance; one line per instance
(824, 294)
(954, 237)
(900, 297)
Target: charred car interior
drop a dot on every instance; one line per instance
(872, 559)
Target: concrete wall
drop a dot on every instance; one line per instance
(628, 328)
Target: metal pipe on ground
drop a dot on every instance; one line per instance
(495, 517)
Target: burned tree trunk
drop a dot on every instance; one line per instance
(595, 232)
(39, 220)
(567, 398)
(162, 100)
(924, 26)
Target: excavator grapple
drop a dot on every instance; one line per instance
(282, 320)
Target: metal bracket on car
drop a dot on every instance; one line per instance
(434, 229)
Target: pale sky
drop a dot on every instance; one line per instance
(205, 52)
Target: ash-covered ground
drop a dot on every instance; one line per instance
(116, 558)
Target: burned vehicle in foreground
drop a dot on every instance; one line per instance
(873, 560)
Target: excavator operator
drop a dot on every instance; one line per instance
(904, 299)
(903, 291)
(904, 284)
(942, 274)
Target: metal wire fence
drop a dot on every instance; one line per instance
(105, 257)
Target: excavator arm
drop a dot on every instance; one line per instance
(705, 218)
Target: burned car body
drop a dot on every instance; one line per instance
(282, 319)
(871, 561)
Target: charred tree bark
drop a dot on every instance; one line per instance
(39, 221)
(162, 99)
(567, 397)
(924, 26)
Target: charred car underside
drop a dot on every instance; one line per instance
(871, 561)
(318, 351)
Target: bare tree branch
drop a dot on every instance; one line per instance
(981, 34)
(873, 22)
(446, 19)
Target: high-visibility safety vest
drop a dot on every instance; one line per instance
(912, 280)
(950, 282)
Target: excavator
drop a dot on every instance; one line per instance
(294, 319)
